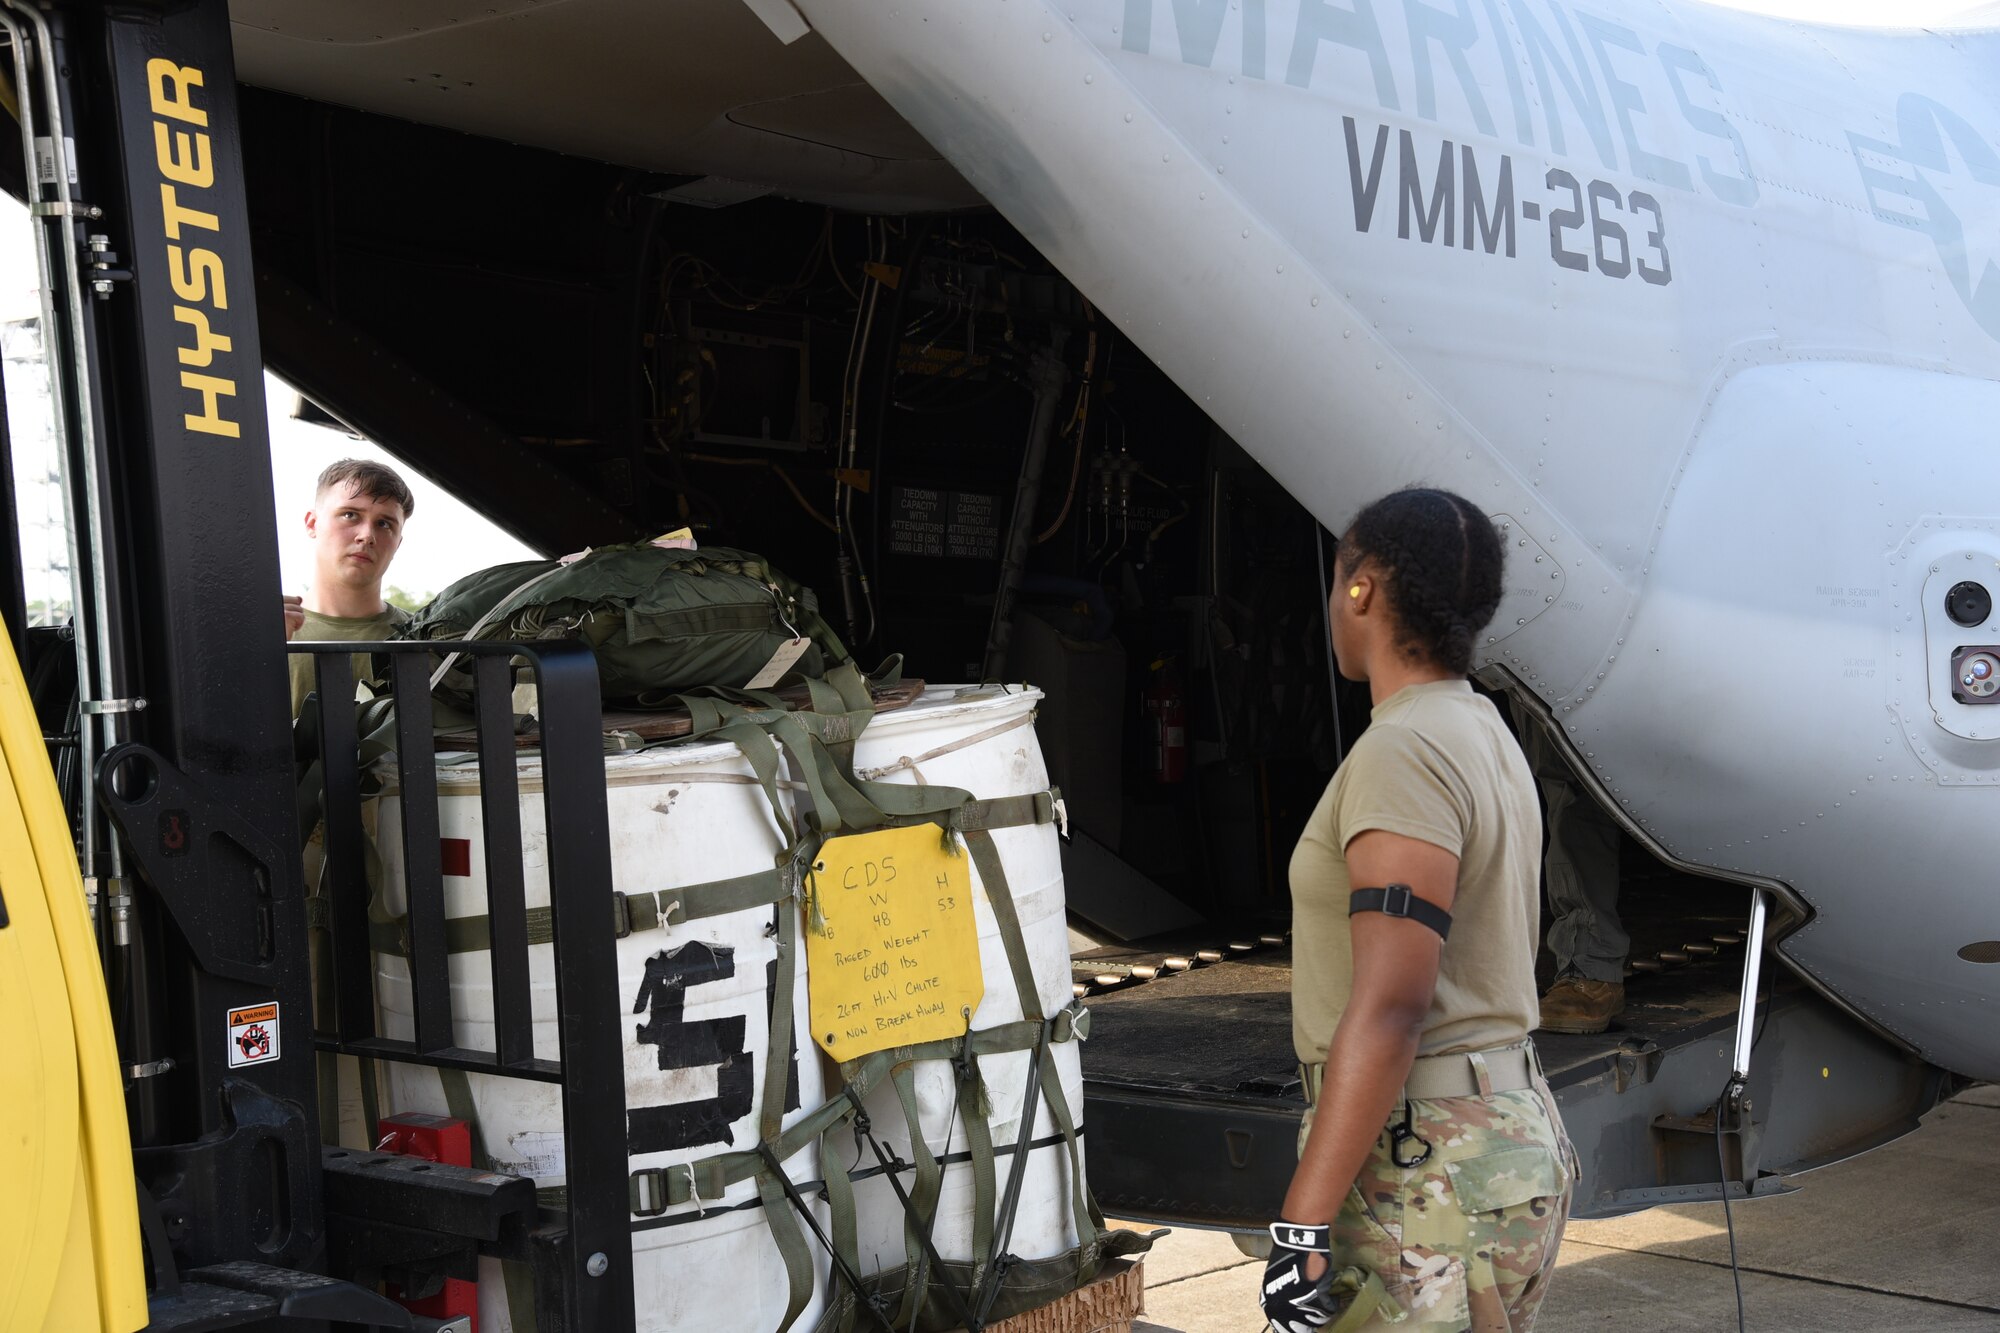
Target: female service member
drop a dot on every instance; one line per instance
(1434, 1176)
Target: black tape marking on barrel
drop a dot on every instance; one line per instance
(716, 1042)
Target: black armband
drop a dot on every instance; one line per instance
(1397, 900)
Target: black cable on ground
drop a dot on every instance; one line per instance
(1721, 1159)
(1729, 1218)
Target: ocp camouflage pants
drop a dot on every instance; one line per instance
(1468, 1239)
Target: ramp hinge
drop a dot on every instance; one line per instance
(1635, 1062)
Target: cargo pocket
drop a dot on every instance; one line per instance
(1478, 1251)
(1499, 1180)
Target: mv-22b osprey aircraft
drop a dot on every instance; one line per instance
(1697, 304)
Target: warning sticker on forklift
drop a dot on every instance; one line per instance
(253, 1035)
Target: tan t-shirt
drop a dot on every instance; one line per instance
(318, 627)
(1436, 764)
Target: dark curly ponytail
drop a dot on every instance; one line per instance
(1440, 561)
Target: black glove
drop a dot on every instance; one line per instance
(1293, 1302)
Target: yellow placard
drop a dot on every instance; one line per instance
(897, 961)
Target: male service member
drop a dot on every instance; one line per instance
(356, 524)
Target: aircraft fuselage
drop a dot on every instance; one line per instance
(1695, 303)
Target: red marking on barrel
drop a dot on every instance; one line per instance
(456, 854)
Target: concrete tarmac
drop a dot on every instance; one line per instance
(1903, 1238)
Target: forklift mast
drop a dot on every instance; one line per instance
(187, 818)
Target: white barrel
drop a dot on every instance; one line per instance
(981, 740)
(695, 997)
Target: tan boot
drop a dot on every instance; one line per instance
(1576, 1004)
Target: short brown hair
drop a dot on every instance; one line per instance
(374, 480)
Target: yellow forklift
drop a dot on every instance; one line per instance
(161, 1129)
(70, 1234)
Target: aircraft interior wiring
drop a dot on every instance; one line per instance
(854, 394)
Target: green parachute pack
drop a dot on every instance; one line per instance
(661, 621)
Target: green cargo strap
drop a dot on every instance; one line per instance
(840, 1202)
(921, 1211)
(993, 876)
(820, 747)
(846, 690)
(720, 719)
(851, 690)
(307, 766)
(865, 1073)
(997, 1260)
(841, 800)
(1000, 812)
(326, 1069)
(905, 800)
(828, 700)
(714, 718)
(325, 1063)
(1031, 808)
(785, 1230)
(755, 746)
(655, 1189)
(975, 1106)
(791, 1242)
(1071, 1023)
(462, 934)
(630, 912)
(1024, 811)
(1083, 1207)
(651, 1192)
(778, 1064)
(371, 1101)
(458, 1100)
(517, 1281)
(986, 859)
(835, 803)
(634, 912)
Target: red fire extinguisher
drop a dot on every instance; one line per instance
(1166, 708)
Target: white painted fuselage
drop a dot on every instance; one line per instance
(1699, 305)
